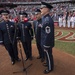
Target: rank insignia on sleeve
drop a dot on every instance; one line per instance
(47, 29)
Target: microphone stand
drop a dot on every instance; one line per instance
(23, 65)
(24, 69)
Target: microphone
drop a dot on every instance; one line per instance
(26, 20)
(16, 20)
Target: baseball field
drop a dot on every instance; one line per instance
(63, 52)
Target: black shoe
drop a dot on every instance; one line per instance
(44, 64)
(38, 57)
(13, 62)
(26, 59)
(42, 60)
(47, 71)
(18, 59)
(30, 58)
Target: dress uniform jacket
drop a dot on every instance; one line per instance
(37, 31)
(1, 37)
(7, 38)
(47, 39)
(47, 32)
(47, 36)
(25, 30)
(26, 35)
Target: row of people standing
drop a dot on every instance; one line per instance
(25, 32)
(9, 31)
(44, 34)
(70, 22)
(8, 36)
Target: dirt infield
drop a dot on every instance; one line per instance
(64, 64)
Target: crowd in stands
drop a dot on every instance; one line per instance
(24, 0)
(60, 13)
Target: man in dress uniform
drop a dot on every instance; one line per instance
(37, 30)
(7, 36)
(26, 34)
(47, 35)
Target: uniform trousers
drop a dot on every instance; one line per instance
(12, 51)
(49, 58)
(27, 48)
(40, 49)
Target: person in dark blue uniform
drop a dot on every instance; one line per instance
(7, 36)
(47, 35)
(37, 30)
(26, 34)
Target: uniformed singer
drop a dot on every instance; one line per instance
(37, 30)
(26, 34)
(7, 36)
(47, 35)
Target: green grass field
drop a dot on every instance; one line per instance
(68, 47)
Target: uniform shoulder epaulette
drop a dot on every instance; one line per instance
(47, 19)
